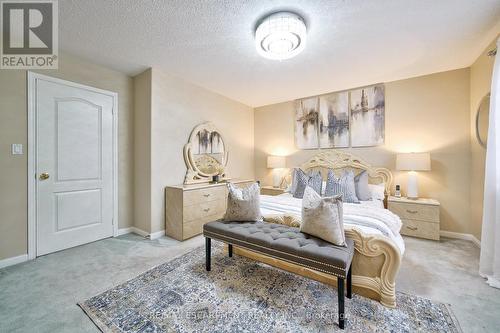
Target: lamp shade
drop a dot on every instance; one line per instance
(276, 162)
(413, 162)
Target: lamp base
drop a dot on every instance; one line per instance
(412, 190)
(276, 178)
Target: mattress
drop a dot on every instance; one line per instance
(370, 217)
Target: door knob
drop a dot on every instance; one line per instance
(44, 176)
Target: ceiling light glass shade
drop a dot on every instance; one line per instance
(281, 36)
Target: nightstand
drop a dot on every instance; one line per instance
(420, 217)
(269, 190)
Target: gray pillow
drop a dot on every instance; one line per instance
(343, 185)
(322, 217)
(243, 204)
(300, 181)
(361, 185)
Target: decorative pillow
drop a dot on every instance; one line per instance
(377, 191)
(322, 217)
(301, 181)
(361, 184)
(243, 204)
(343, 185)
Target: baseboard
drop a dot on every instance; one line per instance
(13, 260)
(124, 231)
(140, 232)
(156, 235)
(458, 235)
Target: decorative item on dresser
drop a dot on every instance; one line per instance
(271, 190)
(205, 155)
(420, 217)
(188, 207)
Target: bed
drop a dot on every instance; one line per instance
(374, 229)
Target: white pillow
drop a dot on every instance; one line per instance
(243, 204)
(377, 190)
(322, 217)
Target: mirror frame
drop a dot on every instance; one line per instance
(194, 174)
(478, 135)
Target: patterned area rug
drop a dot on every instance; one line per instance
(241, 295)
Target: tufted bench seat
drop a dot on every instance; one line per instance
(288, 244)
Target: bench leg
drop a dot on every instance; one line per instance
(349, 282)
(230, 249)
(208, 248)
(340, 291)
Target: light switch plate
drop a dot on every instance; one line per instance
(17, 149)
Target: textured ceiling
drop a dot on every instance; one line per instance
(210, 43)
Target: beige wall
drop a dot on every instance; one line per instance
(142, 146)
(480, 83)
(178, 107)
(429, 113)
(13, 129)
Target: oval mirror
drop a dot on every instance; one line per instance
(482, 120)
(205, 154)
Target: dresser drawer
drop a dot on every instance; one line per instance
(193, 228)
(421, 229)
(204, 195)
(205, 209)
(410, 211)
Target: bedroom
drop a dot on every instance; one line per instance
(166, 68)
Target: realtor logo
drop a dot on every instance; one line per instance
(29, 34)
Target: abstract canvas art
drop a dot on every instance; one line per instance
(367, 116)
(306, 123)
(353, 118)
(334, 120)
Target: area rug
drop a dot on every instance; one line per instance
(241, 295)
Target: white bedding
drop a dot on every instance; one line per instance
(369, 217)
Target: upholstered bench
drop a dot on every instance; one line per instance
(288, 244)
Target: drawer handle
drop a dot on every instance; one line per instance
(206, 209)
(206, 195)
(412, 211)
(412, 228)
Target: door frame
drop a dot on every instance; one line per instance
(32, 153)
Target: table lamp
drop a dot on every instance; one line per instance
(277, 163)
(413, 162)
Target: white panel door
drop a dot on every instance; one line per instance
(74, 165)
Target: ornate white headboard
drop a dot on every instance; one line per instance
(337, 160)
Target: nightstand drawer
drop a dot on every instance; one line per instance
(411, 211)
(415, 228)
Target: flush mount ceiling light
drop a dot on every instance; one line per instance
(280, 36)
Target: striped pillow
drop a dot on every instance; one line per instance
(300, 181)
(343, 185)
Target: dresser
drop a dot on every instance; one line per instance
(188, 207)
(270, 190)
(420, 217)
